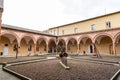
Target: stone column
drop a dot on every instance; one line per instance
(18, 47)
(66, 48)
(47, 48)
(35, 48)
(93, 45)
(113, 47)
(78, 45)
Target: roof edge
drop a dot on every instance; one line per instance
(86, 20)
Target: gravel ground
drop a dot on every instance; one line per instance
(104, 58)
(52, 70)
(13, 59)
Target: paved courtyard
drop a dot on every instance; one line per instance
(52, 70)
(6, 76)
(25, 58)
(46, 68)
(104, 58)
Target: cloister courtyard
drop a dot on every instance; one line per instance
(47, 67)
(88, 49)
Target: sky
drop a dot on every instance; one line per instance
(44, 14)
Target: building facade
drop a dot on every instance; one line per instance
(103, 22)
(101, 34)
(29, 41)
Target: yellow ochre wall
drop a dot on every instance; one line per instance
(10, 46)
(85, 26)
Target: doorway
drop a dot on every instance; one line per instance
(6, 49)
(90, 49)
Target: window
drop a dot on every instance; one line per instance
(93, 27)
(50, 32)
(108, 25)
(55, 32)
(76, 30)
(62, 32)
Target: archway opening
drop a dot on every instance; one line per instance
(52, 47)
(72, 46)
(117, 45)
(104, 44)
(41, 46)
(86, 45)
(7, 44)
(90, 48)
(61, 45)
(26, 46)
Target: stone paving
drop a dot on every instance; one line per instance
(104, 58)
(6, 76)
(13, 59)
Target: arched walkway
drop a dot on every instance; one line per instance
(26, 45)
(52, 46)
(7, 43)
(117, 43)
(72, 46)
(61, 45)
(41, 46)
(104, 44)
(86, 45)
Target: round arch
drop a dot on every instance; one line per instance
(84, 36)
(117, 43)
(11, 33)
(102, 35)
(103, 43)
(61, 45)
(51, 39)
(72, 45)
(61, 40)
(86, 44)
(43, 38)
(27, 44)
(70, 39)
(8, 40)
(41, 46)
(117, 37)
(30, 36)
(52, 46)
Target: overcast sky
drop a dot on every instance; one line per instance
(44, 14)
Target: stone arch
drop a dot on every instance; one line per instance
(117, 43)
(52, 39)
(8, 40)
(116, 37)
(85, 44)
(44, 38)
(27, 44)
(41, 46)
(11, 33)
(103, 43)
(72, 45)
(28, 35)
(102, 34)
(52, 46)
(61, 45)
(61, 40)
(84, 36)
(69, 39)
